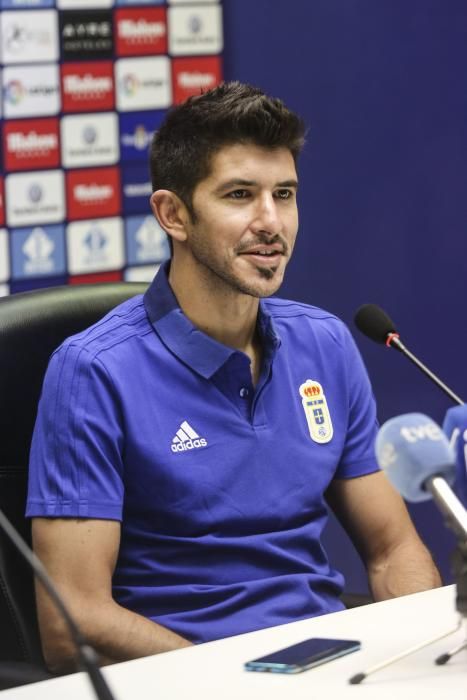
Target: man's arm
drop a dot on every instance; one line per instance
(375, 517)
(80, 556)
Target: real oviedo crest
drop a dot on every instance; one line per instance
(316, 411)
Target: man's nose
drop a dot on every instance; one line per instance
(267, 219)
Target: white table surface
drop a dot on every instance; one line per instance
(215, 670)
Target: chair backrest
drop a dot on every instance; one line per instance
(32, 325)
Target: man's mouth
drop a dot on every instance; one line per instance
(273, 252)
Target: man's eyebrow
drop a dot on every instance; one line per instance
(239, 182)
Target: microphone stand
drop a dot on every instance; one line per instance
(86, 654)
(393, 340)
(456, 519)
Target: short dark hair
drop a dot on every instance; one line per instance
(228, 114)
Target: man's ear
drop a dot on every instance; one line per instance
(171, 213)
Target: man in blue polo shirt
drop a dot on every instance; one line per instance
(187, 445)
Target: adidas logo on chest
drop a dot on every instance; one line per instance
(187, 439)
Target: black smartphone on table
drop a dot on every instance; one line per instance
(299, 657)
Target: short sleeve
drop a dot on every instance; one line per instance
(76, 466)
(358, 456)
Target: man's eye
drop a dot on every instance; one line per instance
(284, 194)
(238, 194)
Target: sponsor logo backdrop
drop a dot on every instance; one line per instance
(85, 83)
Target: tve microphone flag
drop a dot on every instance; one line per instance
(412, 449)
(419, 461)
(455, 427)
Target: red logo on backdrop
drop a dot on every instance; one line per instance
(96, 277)
(2, 208)
(141, 31)
(87, 87)
(191, 76)
(31, 143)
(93, 193)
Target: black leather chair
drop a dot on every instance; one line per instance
(32, 325)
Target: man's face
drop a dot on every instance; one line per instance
(246, 219)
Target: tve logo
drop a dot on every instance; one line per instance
(4, 257)
(92, 193)
(87, 86)
(90, 139)
(31, 91)
(38, 252)
(31, 143)
(143, 83)
(146, 240)
(35, 198)
(29, 36)
(95, 245)
(136, 189)
(195, 30)
(141, 31)
(136, 132)
(191, 76)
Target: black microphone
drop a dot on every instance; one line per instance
(373, 322)
(86, 654)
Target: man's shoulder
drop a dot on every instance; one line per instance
(294, 320)
(119, 327)
(288, 309)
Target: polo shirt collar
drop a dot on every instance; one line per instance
(193, 347)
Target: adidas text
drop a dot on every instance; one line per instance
(188, 445)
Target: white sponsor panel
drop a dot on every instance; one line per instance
(4, 256)
(142, 273)
(31, 91)
(90, 139)
(4, 290)
(35, 198)
(95, 245)
(30, 35)
(143, 83)
(195, 30)
(83, 4)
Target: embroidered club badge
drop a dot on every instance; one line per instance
(316, 411)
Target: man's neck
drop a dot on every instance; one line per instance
(227, 316)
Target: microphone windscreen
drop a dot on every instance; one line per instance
(455, 427)
(373, 322)
(411, 449)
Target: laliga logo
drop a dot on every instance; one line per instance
(14, 92)
(130, 84)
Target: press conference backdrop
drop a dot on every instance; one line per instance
(84, 85)
(383, 194)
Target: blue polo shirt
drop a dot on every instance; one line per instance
(219, 485)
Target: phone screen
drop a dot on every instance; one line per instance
(307, 654)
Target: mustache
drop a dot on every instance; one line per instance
(264, 239)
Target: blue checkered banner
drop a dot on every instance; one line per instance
(85, 83)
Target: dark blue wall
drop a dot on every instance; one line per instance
(383, 87)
